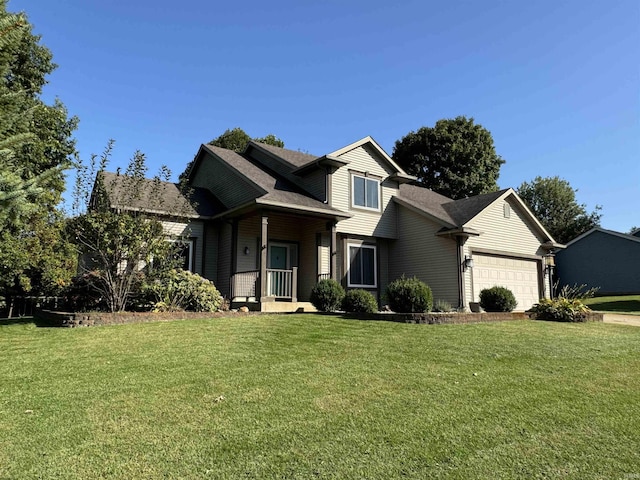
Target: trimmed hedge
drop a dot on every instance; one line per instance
(497, 299)
(359, 301)
(327, 295)
(409, 295)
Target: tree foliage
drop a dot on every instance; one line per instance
(553, 202)
(118, 246)
(236, 139)
(455, 158)
(36, 145)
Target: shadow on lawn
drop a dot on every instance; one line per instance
(38, 322)
(622, 306)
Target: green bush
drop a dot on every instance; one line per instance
(176, 290)
(561, 309)
(442, 306)
(409, 295)
(359, 301)
(497, 299)
(327, 295)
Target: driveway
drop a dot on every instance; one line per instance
(622, 319)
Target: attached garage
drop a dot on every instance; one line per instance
(520, 275)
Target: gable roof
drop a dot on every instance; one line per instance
(400, 175)
(455, 215)
(274, 189)
(157, 197)
(625, 236)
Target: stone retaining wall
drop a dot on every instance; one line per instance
(67, 319)
(87, 319)
(432, 318)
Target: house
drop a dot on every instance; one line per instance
(602, 258)
(276, 221)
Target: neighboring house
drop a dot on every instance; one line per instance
(280, 220)
(602, 258)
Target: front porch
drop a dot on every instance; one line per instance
(291, 254)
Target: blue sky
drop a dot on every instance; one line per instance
(556, 82)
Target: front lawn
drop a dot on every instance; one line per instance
(620, 304)
(312, 396)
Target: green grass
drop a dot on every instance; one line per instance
(619, 304)
(312, 396)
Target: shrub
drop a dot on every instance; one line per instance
(577, 292)
(82, 295)
(327, 295)
(442, 306)
(409, 295)
(359, 301)
(176, 290)
(497, 299)
(561, 309)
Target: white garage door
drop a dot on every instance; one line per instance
(518, 275)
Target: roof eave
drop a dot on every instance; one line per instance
(324, 161)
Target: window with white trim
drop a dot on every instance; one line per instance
(365, 192)
(362, 265)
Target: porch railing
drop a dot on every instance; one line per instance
(244, 284)
(324, 276)
(279, 283)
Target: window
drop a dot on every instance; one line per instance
(181, 255)
(364, 192)
(184, 255)
(362, 266)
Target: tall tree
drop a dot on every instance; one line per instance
(553, 201)
(455, 158)
(236, 139)
(36, 145)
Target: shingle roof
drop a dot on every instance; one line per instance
(465, 209)
(455, 212)
(276, 188)
(164, 198)
(295, 158)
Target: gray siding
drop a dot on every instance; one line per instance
(211, 245)
(601, 260)
(226, 184)
(418, 251)
(364, 222)
(315, 183)
(224, 259)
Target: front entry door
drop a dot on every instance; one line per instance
(278, 260)
(278, 255)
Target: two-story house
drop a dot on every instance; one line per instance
(279, 220)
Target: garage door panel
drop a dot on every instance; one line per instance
(518, 275)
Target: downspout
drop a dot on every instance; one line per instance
(461, 283)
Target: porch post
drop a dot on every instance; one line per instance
(294, 284)
(263, 258)
(333, 249)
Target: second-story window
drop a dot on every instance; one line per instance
(365, 192)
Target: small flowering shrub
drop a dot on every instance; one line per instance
(176, 290)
